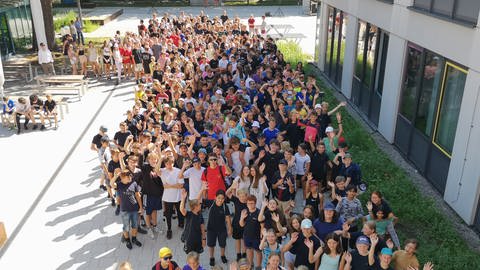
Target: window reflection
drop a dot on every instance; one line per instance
(411, 83)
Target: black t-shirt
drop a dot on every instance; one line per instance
(193, 231)
(216, 218)
(353, 239)
(384, 206)
(318, 166)
(377, 266)
(126, 192)
(121, 137)
(301, 251)
(169, 267)
(251, 230)
(112, 166)
(50, 105)
(97, 140)
(151, 183)
(239, 207)
(224, 18)
(132, 126)
(137, 56)
(324, 120)
(359, 262)
(282, 192)
(271, 163)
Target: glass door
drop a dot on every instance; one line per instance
(6, 44)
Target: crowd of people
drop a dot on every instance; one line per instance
(233, 141)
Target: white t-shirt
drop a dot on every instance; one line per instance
(194, 181)
(171, 177)
(259, 192)
(300, 163)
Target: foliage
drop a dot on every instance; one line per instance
(293, 53)
(419, 217)
(62, 19)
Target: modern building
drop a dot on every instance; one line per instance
(15, 26)
(412, 68)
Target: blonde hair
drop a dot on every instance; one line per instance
(125, 266)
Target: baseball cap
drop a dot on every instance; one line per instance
(181, 99)
(218, 92)
(164, 252)
(202, 150)
(256, 124)
(313, 183)
(103, 128)
(329, 129)
(318, 106)
(283, 161)
(342, 145)
(329, 206)
(363, 240)
(306, 224)
(347, 155)
(195, 159)
(387, 251)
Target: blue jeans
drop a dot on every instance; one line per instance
(129, 220)
(80, 37)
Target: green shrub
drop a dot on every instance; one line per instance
(63, 19)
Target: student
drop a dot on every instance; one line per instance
(406, 258)
(121, 136)
(259, 187)
(328, 221)
(251, 232)
(283, 187)
(218, 226)
(215, 175)
(194, 235)
(153, 190)
(313, 196)
(166, 263)
(240, 203)
(350, 208)
(8, 110)
(297, 245)
(194, 176)
(172, 184)
(330, 253)
(193, 262)
(269, 245)
(302, 166)
(274, 262)
(358, 258)
(382, 262)
(130, 205)
(50, 108)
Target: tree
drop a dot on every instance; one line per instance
(48, 21)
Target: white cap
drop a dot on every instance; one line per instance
(318, 106)
(218, 92)
(329, 129)
(256, 124)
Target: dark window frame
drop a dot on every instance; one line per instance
(450, 18)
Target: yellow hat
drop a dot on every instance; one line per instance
(164, 252)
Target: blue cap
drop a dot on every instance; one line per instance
(329, 206)
(363, 240)
(202, 150)
(387, 251)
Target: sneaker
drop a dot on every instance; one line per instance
(212, 261)
(128, 243)
(169, 234)
(154, 228)
(151, 233)
(117, 211)
(136, 242)
(141, 230)
(42, 127)
(104, 188)
(113, 202)
(35, 127)
(224, 259)
(25, 126)
(181, 225)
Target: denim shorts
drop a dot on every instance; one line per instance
(129, 220)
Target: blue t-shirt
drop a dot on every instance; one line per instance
(323, 228)
(270, 134)
(10, 105)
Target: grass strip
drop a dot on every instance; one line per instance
(419, 217)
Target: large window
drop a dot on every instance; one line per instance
(335, 49)
(432, 77)
(411, 84)
(450, 102)
(465, 11)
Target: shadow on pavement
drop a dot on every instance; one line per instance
(73, 200)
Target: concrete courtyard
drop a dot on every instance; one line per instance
(54, 212)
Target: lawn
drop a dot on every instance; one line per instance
(62, 19)
(420, 218)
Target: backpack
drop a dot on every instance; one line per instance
(170, 266)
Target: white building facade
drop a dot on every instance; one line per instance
(412, 68)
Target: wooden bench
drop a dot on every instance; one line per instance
(295, 36)
(64, 84)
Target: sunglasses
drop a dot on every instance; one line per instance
(167, 258)
(213, 159)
